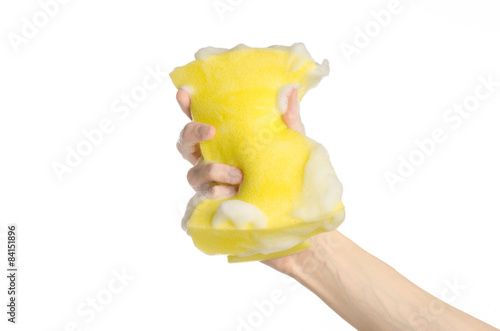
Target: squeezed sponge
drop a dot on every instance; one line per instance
(290, 191)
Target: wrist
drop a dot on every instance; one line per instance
(320, 266)
(312, 261)
(333, 268)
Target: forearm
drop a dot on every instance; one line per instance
(369, 294)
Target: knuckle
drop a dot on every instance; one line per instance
(191, 175)
(221, 191)
(210, 170)
(216, 191)
(187, 131)
(184, 133)
(213, 190)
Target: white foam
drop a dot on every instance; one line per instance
(283, 95)
(239, 213)
(188, 88)
(204, 53)
(299, 53)
(317, 73)
(321, 189)
(193, 202)
(273, 245)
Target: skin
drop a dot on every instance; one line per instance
(363, 290)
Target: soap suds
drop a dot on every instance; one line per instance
(321, 189)
(317, 73)
(188, 88)
(299, 53)
(283, 95)
(239, 213)
(273, 245)
(204, 53)
(193, 202)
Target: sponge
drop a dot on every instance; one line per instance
(290, 191)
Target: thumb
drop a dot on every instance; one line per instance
(184, 99)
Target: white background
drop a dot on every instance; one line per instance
(120, 209)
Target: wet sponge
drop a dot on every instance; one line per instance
(290, 191)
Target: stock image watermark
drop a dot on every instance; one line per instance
(122, 106)
(97, 303)
(222, 7)
(32, 25)
(371, 29)
(265, 308)
(12, 272)
(272, 125)
(453, 118)
(426, 316)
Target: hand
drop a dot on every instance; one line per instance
(202, 176)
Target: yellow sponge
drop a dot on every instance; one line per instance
(290, 191)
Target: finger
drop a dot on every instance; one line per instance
(203, 174)
(217, 192)
(291, 117)
(190, 137)
(184, 99)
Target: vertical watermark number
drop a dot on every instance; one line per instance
(12, 273)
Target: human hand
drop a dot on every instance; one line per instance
(202, 176)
